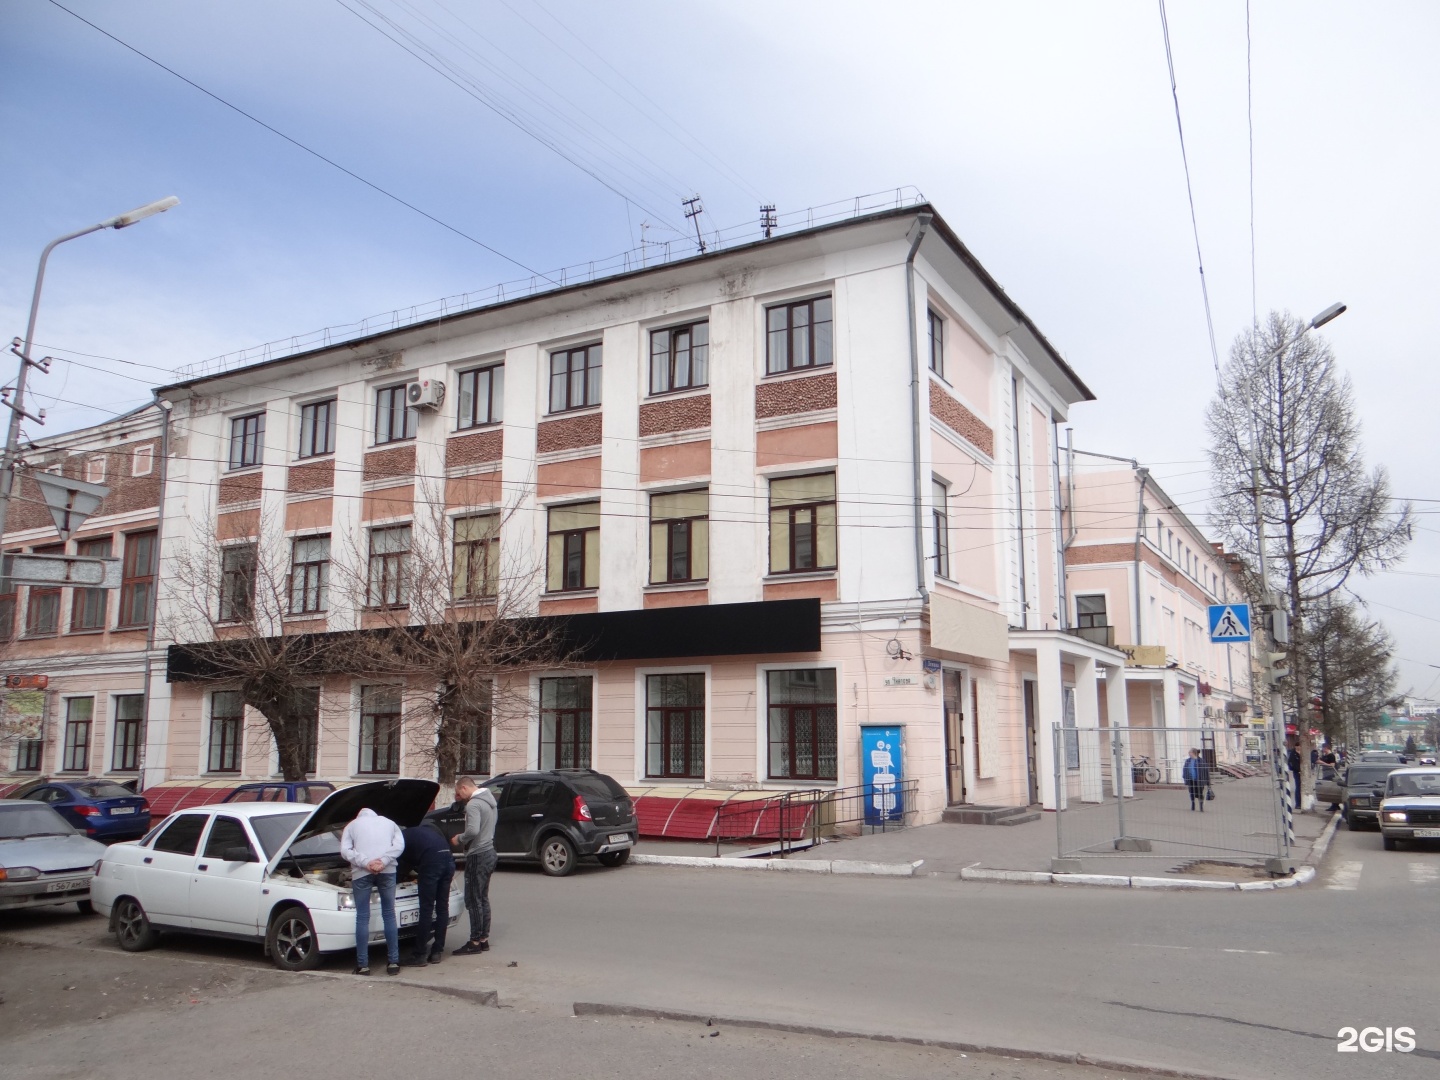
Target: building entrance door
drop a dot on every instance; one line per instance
(954, 738)
(1032, 749)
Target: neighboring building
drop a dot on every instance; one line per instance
(1140, 576)
(782, 490)
(89, 643)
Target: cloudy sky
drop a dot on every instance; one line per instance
(545, 134)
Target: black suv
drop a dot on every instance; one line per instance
(1364, 788)
(554, 817)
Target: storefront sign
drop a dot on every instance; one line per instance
(882, 768)
(26, 682)
(1144, 655)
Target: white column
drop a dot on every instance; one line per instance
(624, 527)
(1050, 710)
(1174, 750)
(739, 535)
(1117, 712)
(522, 540)
(1087, 723)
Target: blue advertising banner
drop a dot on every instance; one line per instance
(882, 769)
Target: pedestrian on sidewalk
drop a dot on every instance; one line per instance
(1292, 761)
(478, 844)
(427, 854)
(371, 844)
(1196, 775)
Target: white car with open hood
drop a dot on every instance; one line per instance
(269, 872)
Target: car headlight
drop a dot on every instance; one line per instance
(18, 873)
(346, 901)
(1395, 815)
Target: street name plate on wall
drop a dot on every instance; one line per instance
(902, 680)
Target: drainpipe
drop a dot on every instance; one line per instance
(1144, 475)
(1061, 543)
(922, 223)
(164, 407)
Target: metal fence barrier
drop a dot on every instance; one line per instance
(799, 819)
(1123, 793)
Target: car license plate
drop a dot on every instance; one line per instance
(408, 917)
(620, 838)
(1432, 833)
(121, 810)
(66, 885)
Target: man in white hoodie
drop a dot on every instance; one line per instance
(371, 844)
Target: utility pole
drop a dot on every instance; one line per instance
(693, 210)
(768, 219)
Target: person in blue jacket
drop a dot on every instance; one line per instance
(1196, 774)
(427, 854)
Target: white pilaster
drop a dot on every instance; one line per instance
(1050, 711)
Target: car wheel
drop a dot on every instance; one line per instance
(86, 907)
(614, 858)
(1391, 844)
(291, 940)
(132, 928)
(1353, 825)
(557, 855)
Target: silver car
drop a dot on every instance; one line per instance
(44, 860)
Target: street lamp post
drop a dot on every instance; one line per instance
(17, 401)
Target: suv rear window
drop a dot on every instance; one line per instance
(597, 784)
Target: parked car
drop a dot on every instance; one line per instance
(303, 791)
(1364, 788)
(555, 818)
(44, 860)
(1411, 807)
(268, 872)
(1382, 755)
(1329, 787)
(101, 809)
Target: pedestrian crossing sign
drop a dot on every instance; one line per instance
(1229, 622)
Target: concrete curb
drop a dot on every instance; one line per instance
(812, 866)
(590, 1008)
(478, 996)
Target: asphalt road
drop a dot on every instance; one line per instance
(1240, 985)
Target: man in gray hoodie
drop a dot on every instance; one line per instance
(478, 844)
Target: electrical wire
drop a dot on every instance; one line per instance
(309, 150)
(1250, 128)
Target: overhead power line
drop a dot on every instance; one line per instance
(299, 145)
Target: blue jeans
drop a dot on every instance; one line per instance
(360, 887)
(435, 874)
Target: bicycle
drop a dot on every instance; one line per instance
(1141, 771)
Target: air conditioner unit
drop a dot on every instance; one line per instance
(425, 394)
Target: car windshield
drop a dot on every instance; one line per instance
(103, 789)
(274, 829)
(32, 819)
(1367, 775)
(1415, 784)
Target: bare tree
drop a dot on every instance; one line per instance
(1327, 518)
(1351, 663)
(233, 602)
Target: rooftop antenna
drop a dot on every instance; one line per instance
(767, 219)
(693, 210)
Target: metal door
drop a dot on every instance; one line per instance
(954, 738)
(1032, 749)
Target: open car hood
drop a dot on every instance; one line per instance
(402, 801)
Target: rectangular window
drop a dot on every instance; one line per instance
(87, 607)
(227, 721)
(798, 335)
(802, 523)
(679, 536)
(95, 468)
(129, 724)
(482, 396)
(477, 557)
(565, 723)
(937, 343)
(29, 757)
(802, 724)
(137, 584)
(247, 440)
(675, 726)
(394, 420)
(474, 729)
(310, 726)
(317, 428)
(78, 714)
(574, 549)
(7, 607)
(387, 584)
(379, 729)
(142, 462)
(574, 378)
(940, 519)
(42, 611)
(309, 575)
(237, 582)
(1090, 611)
(679, 358)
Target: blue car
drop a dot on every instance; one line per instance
(301, 791)
(101, 809)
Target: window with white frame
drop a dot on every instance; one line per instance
(247, 440)
(675, 726)
(798, 335)
(379, 729)
(1090, 611)
(237, 582)
(142, 461)
(573, 555)
(679, 358)
(388, 580)
(679, 536)
(476, 565)
(802, 523)
(481, 396)
(565, 717)
(802, 715)
(395, 421)
(129, 734)
(940, 522)
(575, 378)
(317, 428)
(95, 468)
(309, 575)
(227, 725)
(936, 330)
(79, 712)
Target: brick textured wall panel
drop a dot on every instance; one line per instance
(475, 449)
(790, 396)
(127, 493)
(960, 420)
(238, 489)
(676, 414)
(1089, 554)
(397, 461)
(312, 476)
(568, 433)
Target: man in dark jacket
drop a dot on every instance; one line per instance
(1292, 760)
(477, 841)
(427, 853)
